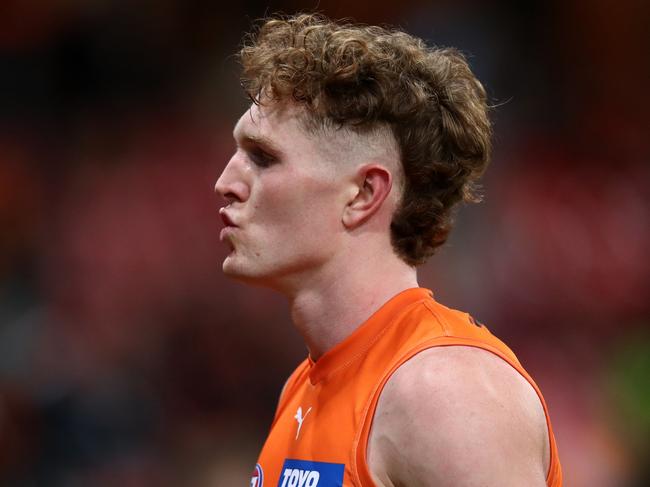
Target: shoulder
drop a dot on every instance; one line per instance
(458, 415)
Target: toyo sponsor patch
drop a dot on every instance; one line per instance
(304, 473)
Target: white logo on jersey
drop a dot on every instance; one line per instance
(257, 480)
(300, 418)
(296, 477)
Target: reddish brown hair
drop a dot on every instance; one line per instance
(359, 77)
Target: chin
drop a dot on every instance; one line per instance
(235, 269)
(251, 275)
(232, 268)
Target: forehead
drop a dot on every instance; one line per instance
(275, 125)
(282, 128)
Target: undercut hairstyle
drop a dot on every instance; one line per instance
(361, 77)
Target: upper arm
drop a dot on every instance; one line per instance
(458, 416)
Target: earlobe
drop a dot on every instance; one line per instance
(373, 185)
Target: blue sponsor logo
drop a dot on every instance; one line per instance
(303, 473)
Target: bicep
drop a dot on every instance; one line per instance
(458, 417)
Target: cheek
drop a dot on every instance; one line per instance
(307, 207)
(316, 206)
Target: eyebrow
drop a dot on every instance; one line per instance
(259, 140)
(263, 142)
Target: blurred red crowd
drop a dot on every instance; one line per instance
(127, 359)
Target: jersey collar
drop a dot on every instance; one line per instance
(363, 337)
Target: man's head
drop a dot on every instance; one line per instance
(296, 199)
(357, 78)
(364, 97)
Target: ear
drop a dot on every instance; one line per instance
(372, 185)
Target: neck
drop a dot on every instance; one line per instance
(328, 310)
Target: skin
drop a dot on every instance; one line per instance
(313, 224)
(479, 423)
(312, 214)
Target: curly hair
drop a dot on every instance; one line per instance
(360, 77)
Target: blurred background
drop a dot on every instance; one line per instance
(127, 359)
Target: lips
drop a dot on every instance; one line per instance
(226, 219)
(228, 229)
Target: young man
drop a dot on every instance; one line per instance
(358, 143)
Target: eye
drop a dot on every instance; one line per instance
(261, 158)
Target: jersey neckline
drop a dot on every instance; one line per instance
(362, 338)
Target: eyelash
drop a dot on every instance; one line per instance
(261, 158)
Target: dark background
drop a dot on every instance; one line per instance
(127, 359)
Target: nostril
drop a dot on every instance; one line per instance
(230, 197)
(224, 191)
(229, 192)
(235, 192)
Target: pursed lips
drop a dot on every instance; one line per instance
(226, 219)
(229, 224)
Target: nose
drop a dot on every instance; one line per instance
(232, 184)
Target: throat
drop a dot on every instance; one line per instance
(325, 319)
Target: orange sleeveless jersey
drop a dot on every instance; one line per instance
(320, 432)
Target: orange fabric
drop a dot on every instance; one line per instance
(320, 432)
